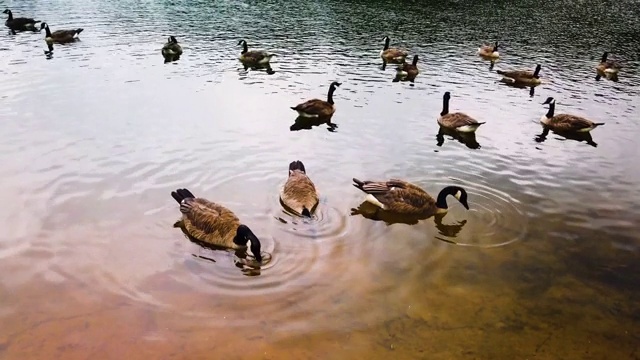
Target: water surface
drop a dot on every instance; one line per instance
(97, 135)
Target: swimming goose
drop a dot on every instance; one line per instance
(318, 108)
(456, 121)
(20, 24)
(392, 55)
(565, 122)
(409, 70)
(607, 66)
(299, 193)
(404, 198)
(213, 224)
(259, 57)
(171, 49)
(489, 51)
(522, 77)
(60, 36)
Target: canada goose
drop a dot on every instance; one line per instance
(607, 66)
(298, 193)
(392, 55)
(316, 107)
(565, 122)
(489, 51)
(259, 57)
(60, 36)
(521, 74)
(213, 224)
(20, 24)
(171, 49)
(409, 70)
(402, 197)
(456, 121)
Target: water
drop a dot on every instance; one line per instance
(96, 136)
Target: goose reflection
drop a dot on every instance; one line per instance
(514, 83)
(468, 139)
(49, 53)
(258, 67)
(305, 123)
(576, 136)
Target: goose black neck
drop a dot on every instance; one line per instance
(495, 47)
(552, 109)
(10, 15)
(47, 30)
(441, 202)
(604, 56)
(332, 88)
(245, 48)
(386, 43)
(445, 106)
(415, 60)
(536, 73)
(244, 235)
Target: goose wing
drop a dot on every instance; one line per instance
(315, 106)
(394, 53)
(20, 22)
(255, 55)
(455, 120)
(399, 196)
(566, 122)
(516, 74)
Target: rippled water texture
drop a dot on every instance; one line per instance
(96, 135)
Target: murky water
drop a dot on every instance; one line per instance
(95, 137)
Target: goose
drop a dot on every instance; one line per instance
(409, 70)
(404, 198)
(213, 223)
(565, 122)
(456, 121)
(171, 48)
(315, 108)
(607, 66)
(522, 77)
(392, 55)
(489, 51)
(299, 193)
(259, 57)
(60, 36)
(20, 24)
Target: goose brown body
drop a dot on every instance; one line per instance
(456, 121)
(409, 70)
(392, 55)
(405, 198)
(607, 66)
(299, 193)
(60, 36)
(316, 107)
(566, 123)
(489, 51)
(213, 223)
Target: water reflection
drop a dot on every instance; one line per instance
(49, 52)
(305, 123)
(466, 138)
(576, 136)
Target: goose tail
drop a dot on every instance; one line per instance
(79, 30)
(180, 196)
(598, 124)
(297, 165)
(306, 212)
(359, 184)
(501, 72)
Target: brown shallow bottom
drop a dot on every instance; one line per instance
(503, 303)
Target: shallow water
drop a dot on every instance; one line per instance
(95, 137)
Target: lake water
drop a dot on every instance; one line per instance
(544, 265)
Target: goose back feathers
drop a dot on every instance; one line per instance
(392, 55)
(299, 193)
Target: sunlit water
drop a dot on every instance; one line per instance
(95, 137)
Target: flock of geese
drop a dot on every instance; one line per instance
(212, 224)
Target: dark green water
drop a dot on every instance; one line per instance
(96, 136)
